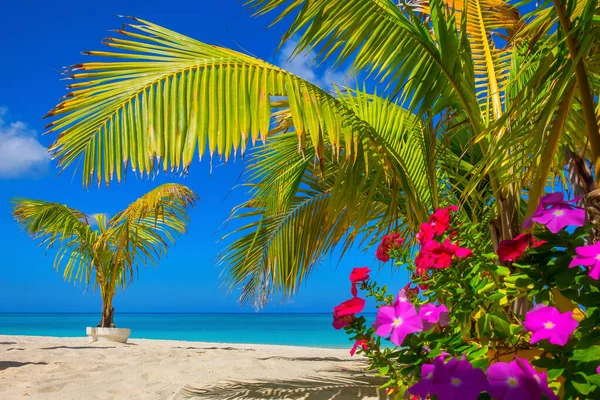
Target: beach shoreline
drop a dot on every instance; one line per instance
(45, 367)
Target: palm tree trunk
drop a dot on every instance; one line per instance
(581, 180)
(108, 313)
(585, 93)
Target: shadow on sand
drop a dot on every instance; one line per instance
(77, 347)
(344, 384)
(15, 364)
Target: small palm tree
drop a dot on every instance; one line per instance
(108, 252)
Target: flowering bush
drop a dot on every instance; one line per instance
(521, 322)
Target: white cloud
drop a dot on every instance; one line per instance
(301, 66)
(20, 152)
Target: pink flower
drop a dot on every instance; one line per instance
(364, 344)
(556, 213)
(432, 314)
(456, 379)
(588, 256)
(343, 314)
(549, 323)
(399, 321)
(358, 275)
(389, 242)
(545, 201)
(517, 380)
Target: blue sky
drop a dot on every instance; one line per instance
(41, 37)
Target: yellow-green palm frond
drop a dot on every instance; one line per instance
(163, 96)
(427, 63)
(55, 224)
(142, 232)
(299, 211)
(486, 20)
(281, 247)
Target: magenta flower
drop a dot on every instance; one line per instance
(540, 377)
(456, 379)
(432, 314)
(517, 380)
(549, 323)
(588, 256)
(556, 213)
(425, 386)
(399, 321)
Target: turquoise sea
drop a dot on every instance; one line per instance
(287, 329)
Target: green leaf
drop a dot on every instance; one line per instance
(487, 288)
(501, 326)
(584, 355)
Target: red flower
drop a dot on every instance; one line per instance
(389, 242)
(343, 314)
(350, 307)
(340, 322)
(440, 221)
(460, 252)
(438, 224)
(382, 255)
(426, 234)
(510, 250)
(437, 255)
(359, 274)
(362, 343)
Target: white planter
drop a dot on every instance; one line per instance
(108, 334)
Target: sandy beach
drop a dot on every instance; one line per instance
(73, 368)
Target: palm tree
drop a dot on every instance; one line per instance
(475, 104)
(108, 252)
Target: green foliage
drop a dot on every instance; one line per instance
(484, 324)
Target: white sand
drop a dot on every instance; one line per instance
(36, 367)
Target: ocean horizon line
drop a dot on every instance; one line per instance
(164, 313)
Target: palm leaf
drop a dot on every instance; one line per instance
(163, 96)
(56, 224)
(142, 232)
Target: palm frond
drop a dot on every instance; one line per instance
(55, 224)
(142, 232)
(300, 211)
(163, 96)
